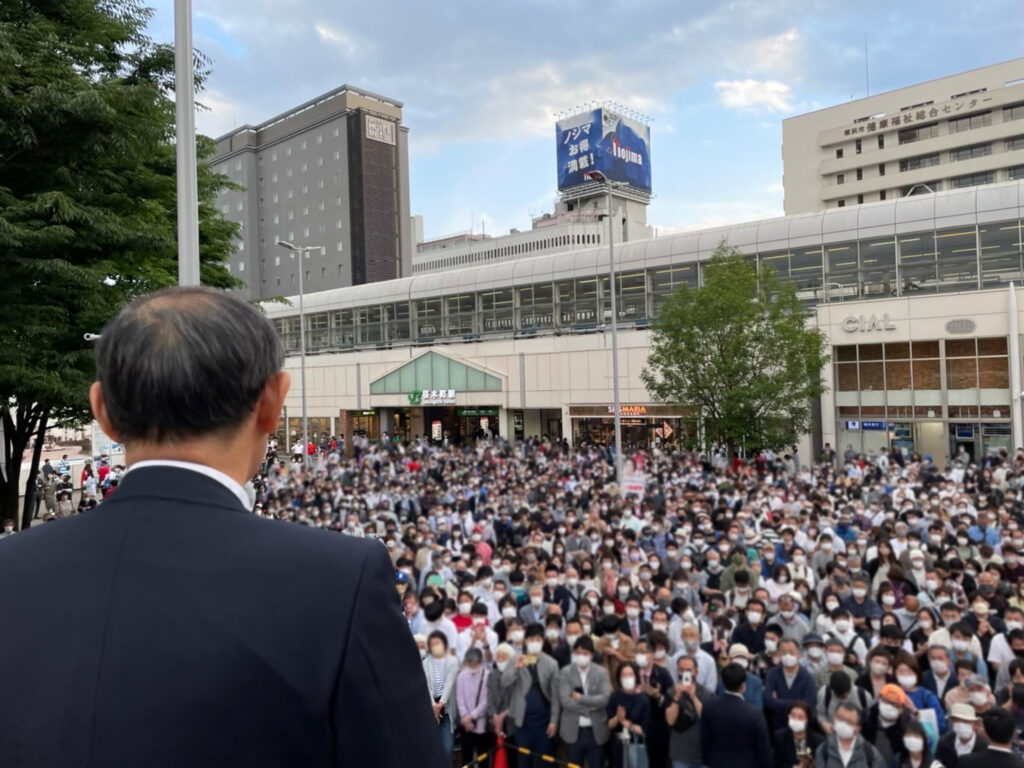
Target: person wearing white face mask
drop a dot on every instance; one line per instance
(753, 692)
(915, 744)
(498, 699)
(963, 737)
(534, 611)
(999, 652)
(584, 689)
(798, 740)
(846, 748)
(940, 678)
(786, 684)
(441, 671)
(531, 685)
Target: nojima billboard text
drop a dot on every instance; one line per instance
(604, 141)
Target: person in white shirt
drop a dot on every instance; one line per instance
(999, 651)
(707, 672)
(478, 635)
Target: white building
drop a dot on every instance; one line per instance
(950, 133)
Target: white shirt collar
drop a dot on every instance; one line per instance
(214, 474)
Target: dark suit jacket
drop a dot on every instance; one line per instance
(643, 625)
(946, 754)
(928, 681)
(990, 758)
(733, 734)
(171, 627)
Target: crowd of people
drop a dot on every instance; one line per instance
(862, 611)
(835, 612)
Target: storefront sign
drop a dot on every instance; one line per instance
(853, 426)
(432, 397)
(878, 426)
(868, 323)
(629, 410)
(477, 412)
(435, 430)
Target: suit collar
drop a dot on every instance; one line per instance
(176, 483)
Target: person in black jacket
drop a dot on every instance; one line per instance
(733, 733)
(656, 682)
(795, 744)
(168, 623)
(963, 735)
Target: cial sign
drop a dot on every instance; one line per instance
(877, 426)
(380, 130)
(868, 323)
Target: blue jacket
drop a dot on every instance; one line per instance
(778, 697)
(925, 699)
(988, 536)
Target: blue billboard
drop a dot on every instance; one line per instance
(601, 140)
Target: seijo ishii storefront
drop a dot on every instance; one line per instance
(935, 375)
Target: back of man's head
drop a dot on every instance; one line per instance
(183, 364)
(734, 677)
(999, 726)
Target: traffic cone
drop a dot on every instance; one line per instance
(500, 758)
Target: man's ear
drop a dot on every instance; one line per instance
(268, 407)
(99, 412)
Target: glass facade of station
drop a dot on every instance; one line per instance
(911, 262)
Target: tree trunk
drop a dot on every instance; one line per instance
(30, 483)
(16, 434)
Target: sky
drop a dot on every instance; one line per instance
(482, 82)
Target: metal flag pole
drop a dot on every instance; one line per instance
(185, 124)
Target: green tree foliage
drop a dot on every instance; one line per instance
(87, 203)
(739, 350)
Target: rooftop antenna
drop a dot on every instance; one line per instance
(867, 71)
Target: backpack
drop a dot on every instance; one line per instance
(862, 697)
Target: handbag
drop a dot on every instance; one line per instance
(634, 752)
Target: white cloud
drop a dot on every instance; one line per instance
(337, 37)
(777, 53)
(708, 215)
(770, 95)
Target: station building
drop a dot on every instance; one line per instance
(918, 298)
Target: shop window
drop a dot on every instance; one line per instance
(846, 377)
(870, 352)
(995, 345)
(846, 353)
(962, 373)
(872, 376)
(897, 350)
(993, 373)
(897, 374)
(926, 374)
(960, 348)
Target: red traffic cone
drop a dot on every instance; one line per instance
(500, 758)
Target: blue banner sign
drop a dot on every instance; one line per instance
(601, 140)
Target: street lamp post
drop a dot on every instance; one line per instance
(185, 127)
(613, 294)
(300, 252)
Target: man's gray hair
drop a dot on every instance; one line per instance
(183, 363)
